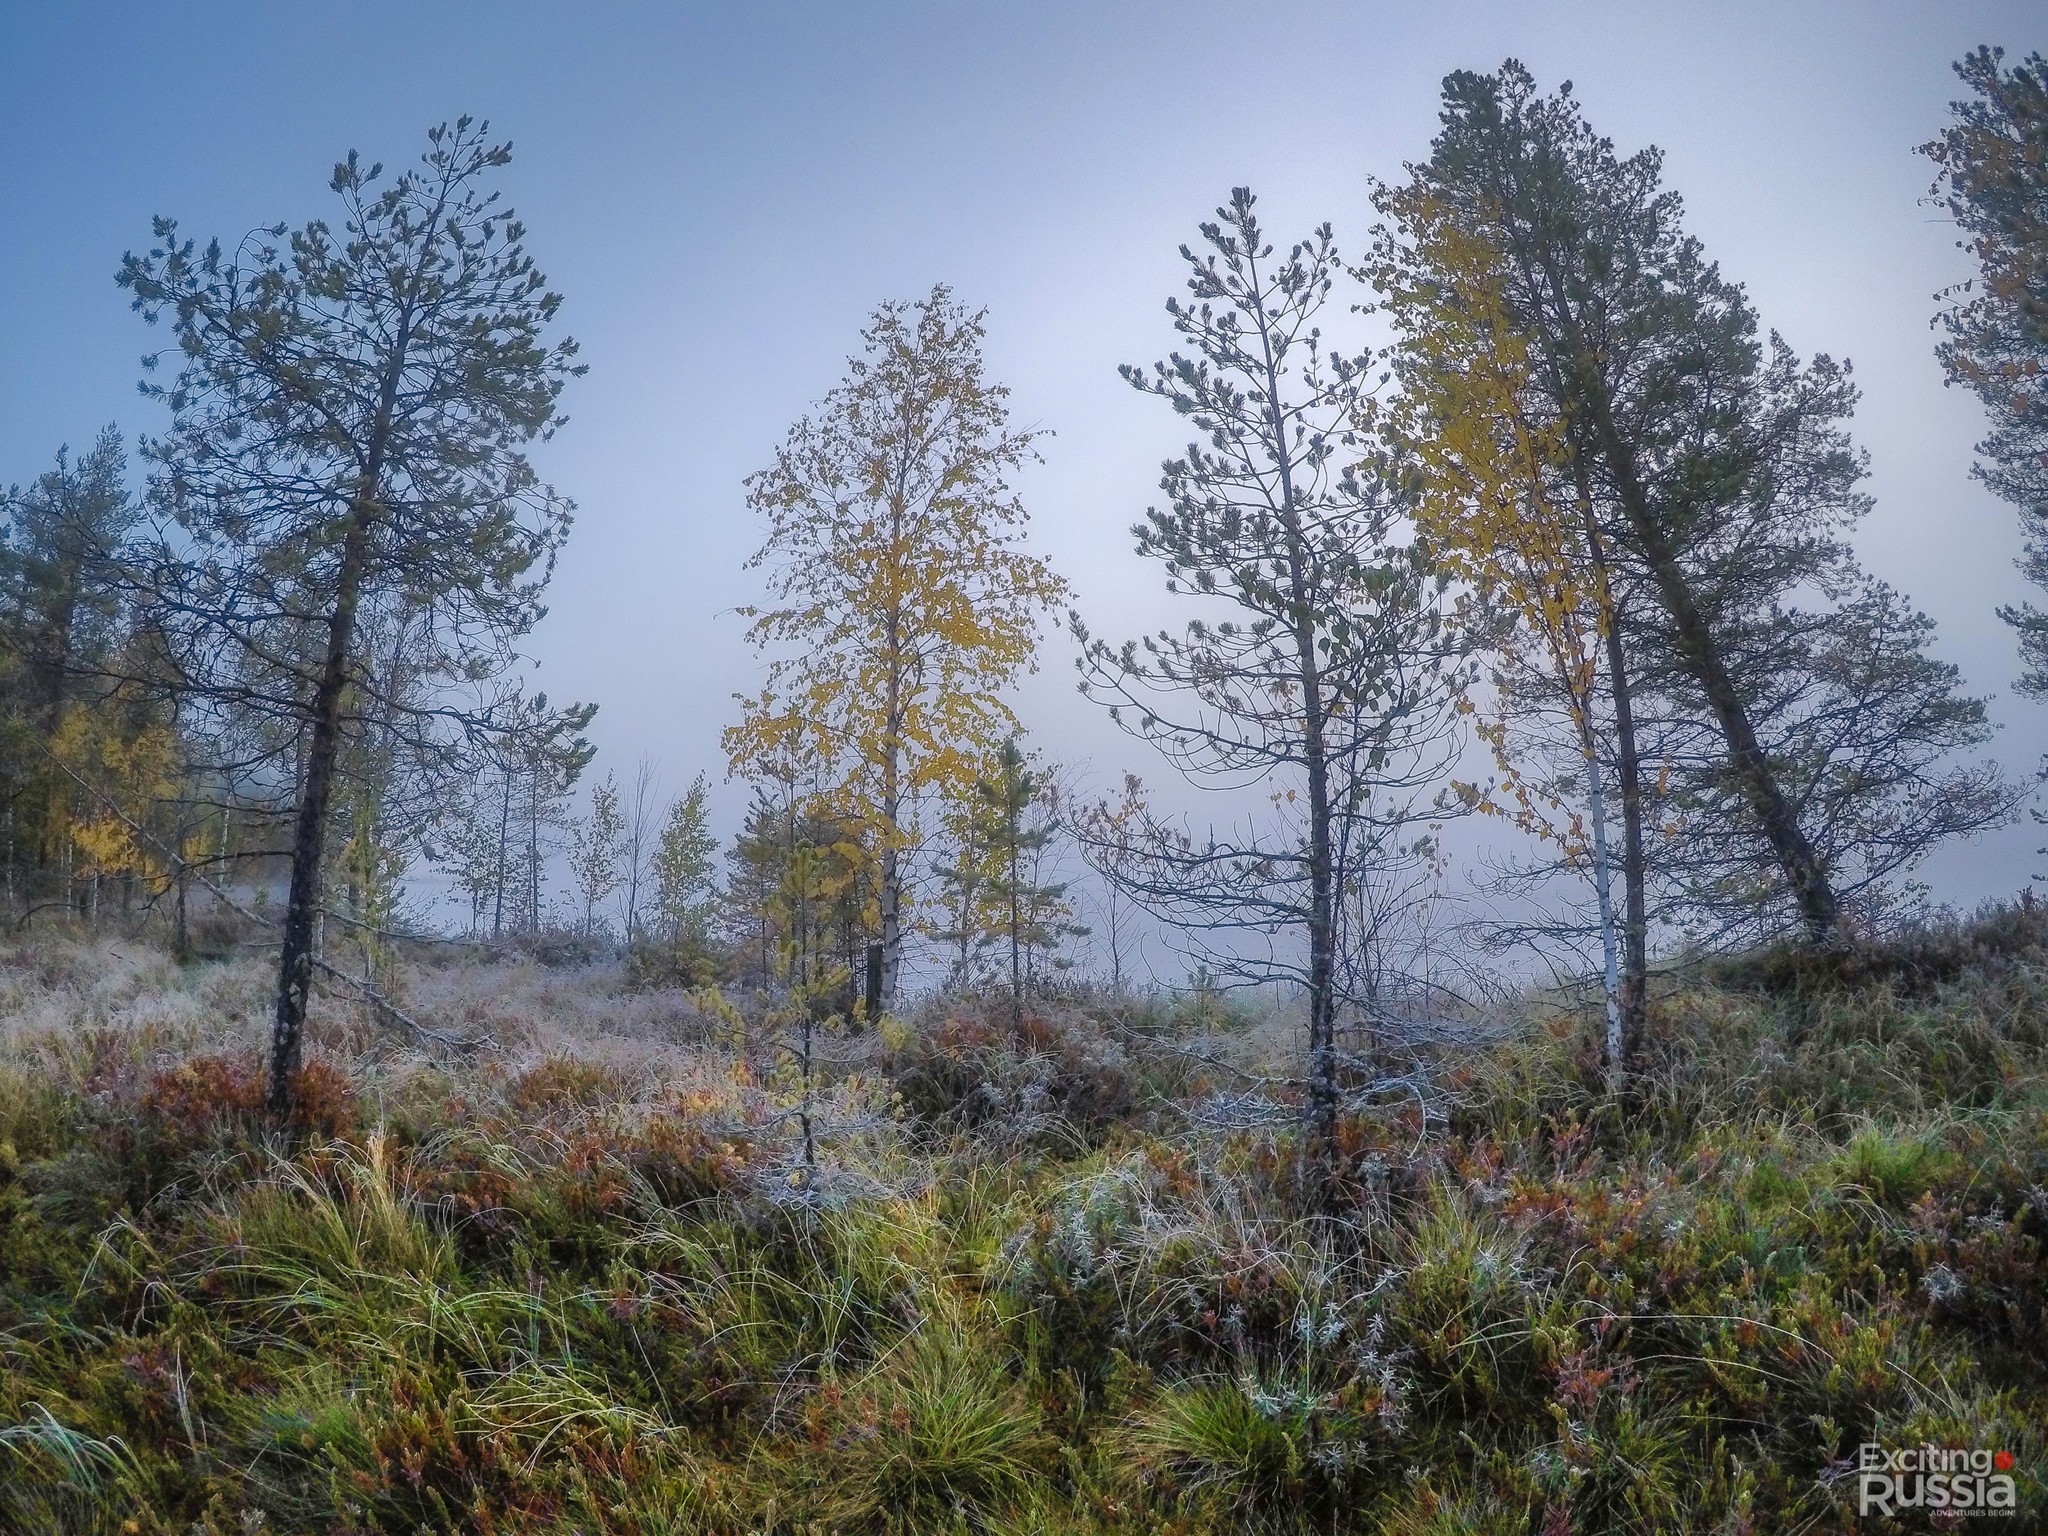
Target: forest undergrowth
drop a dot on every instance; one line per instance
(583, 1281)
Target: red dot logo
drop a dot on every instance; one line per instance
(2002, 1461)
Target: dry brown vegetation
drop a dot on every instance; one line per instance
(582, 1280)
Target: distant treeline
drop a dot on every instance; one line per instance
(1586, 511)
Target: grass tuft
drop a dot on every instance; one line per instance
(564, 1289)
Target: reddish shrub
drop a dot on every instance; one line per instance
(970, 1072)
(206, 1098)
(323, 1102)
(681, 1164)
(563, 1082)
(474, 1197)
(191, 1100)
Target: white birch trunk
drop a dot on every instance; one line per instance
(1603, 891)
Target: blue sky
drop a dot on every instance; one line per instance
(722, 192)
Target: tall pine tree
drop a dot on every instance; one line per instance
(349, 422)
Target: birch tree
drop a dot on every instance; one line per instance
(683, 869)
(1492, 477)
(643, 836)
(1106, 831)
(597, 851)
(904, 601)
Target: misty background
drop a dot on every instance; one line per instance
(723, 193)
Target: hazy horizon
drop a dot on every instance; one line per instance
(723, 196)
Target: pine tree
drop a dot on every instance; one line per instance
(62, 590)
(1993, 160)
(754, 867)
(1710, 482)
(347, 445)
(546, 754)
(967, 925)
(1645, 351)
(64, 634)
(1333, 678)
(1014, 823)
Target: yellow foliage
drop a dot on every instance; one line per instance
(906, 605)
(712, 1001)
(896, 1034)
(120, 778)
(1492, 488)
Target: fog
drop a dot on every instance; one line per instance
(722, 193)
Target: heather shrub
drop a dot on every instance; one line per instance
(1044, 1078)
(1034, 1282)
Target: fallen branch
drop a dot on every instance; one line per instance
(377, 1000)
(392, 1011)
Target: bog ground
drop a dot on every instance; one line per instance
(582, 1280)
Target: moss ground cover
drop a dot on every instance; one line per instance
(576, 1290)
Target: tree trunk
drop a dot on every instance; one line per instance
(63, 619)
(295, 963)
(892, 915)
(892, 833)
(1016, 969)
(1796, 856)
(1322, 915)
(504, 861)
(1579, 383)
(633, 892)
(1322, 956)
(1324, 1095)
(181, 934)
(1116, 940)
(970, 888)
(1611, 1040)
(1635, 960)
(1635, 974)
(533, 850)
